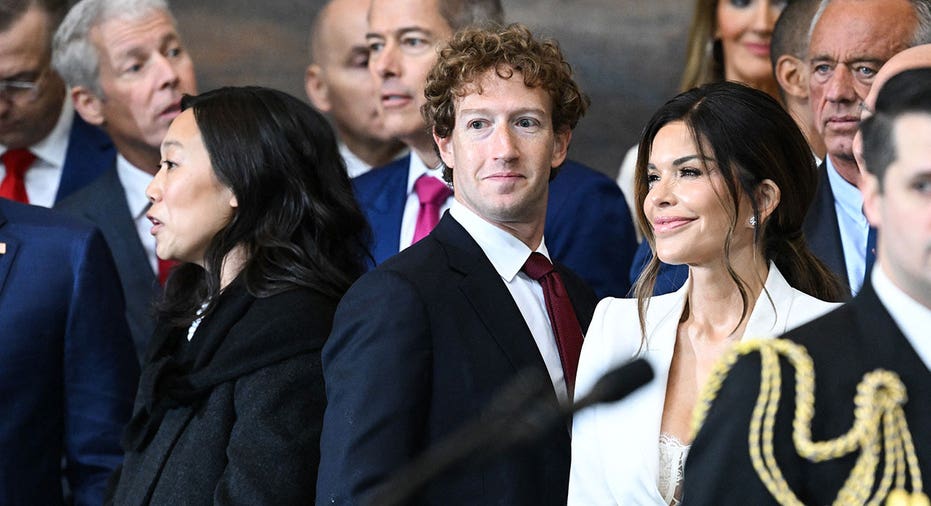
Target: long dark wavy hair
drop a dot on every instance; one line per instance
(297, 220)
(751, 138)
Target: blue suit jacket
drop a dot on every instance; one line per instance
(67, 369)
(90, 153)
(821, 233)
(588, 225)
(103, 203)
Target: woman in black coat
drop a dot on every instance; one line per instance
(253, 200)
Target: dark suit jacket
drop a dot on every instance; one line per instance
(251, 433)
(820, 229)
(90, 153)
(67, 367)
(844, 345)
(588, 224)
(419, 346)
(103, 203)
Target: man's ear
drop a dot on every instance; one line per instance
(88, 105)
(446, 149)
(316, 88)
(768, 196)
(561, 147)
(792, 76)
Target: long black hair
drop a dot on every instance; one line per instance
(297, 221)
(751, 138)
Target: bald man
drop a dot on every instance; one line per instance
(339, 84)
(911, 58)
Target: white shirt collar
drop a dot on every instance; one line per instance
(912, 318)
(134, 181)
(54, 147)
(418, 168)
(506, 252)
(354, 165)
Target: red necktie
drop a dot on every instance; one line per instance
(17, 162)
(432, 194)
(562, 315)
(164, 269)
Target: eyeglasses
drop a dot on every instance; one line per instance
(14, 90)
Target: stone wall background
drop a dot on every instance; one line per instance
(627, 54)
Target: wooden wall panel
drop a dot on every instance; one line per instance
(627, 54)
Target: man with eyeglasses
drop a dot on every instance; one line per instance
(46, 150)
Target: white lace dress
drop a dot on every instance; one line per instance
(672, 454)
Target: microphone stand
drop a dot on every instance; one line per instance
(519, 413)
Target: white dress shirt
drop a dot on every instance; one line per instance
(135, 181)
(507, 255)
(44, 176)
(913, 319)
(355, 166)
(412, 205)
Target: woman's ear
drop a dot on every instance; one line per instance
(768, 195)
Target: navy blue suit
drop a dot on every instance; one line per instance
(67, 369)
(90, 153)
(419, 346)
(845, 344)
(821, 233)
(588, 224)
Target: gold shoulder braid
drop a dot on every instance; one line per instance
(877, 414)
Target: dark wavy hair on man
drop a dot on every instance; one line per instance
(474, 51)
(297, 218)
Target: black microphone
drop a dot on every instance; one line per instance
(616, 384)
(520, 413)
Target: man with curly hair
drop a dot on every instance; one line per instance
(422, 343)
(588, 224)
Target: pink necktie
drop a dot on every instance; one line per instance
(17, 162)
(432, 194)
(562, 315)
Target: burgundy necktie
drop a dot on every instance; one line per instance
(17, 162)
(432, 194)
(164, 269)
(562, 315)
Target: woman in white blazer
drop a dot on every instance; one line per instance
(724, 180)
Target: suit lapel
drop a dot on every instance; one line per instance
(111, 214)
(885, 339)
(822, 231)
(489, 297)
(382, 194)
(90, 153)
(582, 297)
